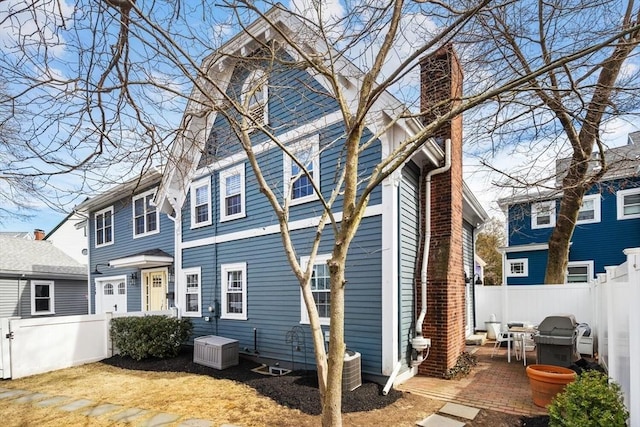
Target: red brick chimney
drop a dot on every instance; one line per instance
(38, 234)
(441, 80)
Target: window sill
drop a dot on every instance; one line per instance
(151, 233)
(227, 317)
(232, 217)
(200, 225)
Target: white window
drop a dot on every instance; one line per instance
(628, 203)
(234, 291)
(145, 215)
(518, 267)
(255, 95)
(232, 193)
(104, 227)
(193, 291)
(42, 297)
(590, 210)
(201, 203)
(298, 184)
(543, 214)
(320, 288)
(579, 272)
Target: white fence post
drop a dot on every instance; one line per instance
(633, 269)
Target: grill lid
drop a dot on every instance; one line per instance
(561, 325)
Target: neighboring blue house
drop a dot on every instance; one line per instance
(608, 222)
(232, 277)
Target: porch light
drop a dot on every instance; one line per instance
(133, 278)
(96, 271)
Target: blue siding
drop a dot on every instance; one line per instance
(125, 245)
(601, 242)
(273, 294)
(409, 246)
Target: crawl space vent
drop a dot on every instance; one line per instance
(216, 352)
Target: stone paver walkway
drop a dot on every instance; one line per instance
(118, 413)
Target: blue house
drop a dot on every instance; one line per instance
(201, 238)
(608, 221)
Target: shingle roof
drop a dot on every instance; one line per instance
(36, 257)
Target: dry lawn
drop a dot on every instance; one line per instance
(188, 395)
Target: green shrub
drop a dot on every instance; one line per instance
(589, 401)
(149, 336)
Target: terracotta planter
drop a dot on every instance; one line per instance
(547, 381)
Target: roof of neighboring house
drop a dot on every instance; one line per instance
(622, 162)
(37, 258)
(17, 234)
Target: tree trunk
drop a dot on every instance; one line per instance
(332, 401)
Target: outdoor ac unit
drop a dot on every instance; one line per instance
(216, 352)
(351, 371)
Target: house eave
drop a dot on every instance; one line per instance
(141, 261)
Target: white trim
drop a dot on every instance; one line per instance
(195, 186)
(285, 138)
(525, 248)
(304, 315)
(52, 294)
(390, 271)
(313, 145)
(95, 227)
(597, 201)
(224, 269)
(223, 175)
(374, 210)
(620, 195)
(186, 272)
(525, 267)
(141, 261)
(143, 196)
(549, 208)
(588, 264)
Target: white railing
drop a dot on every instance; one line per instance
(618, 317)
(46, 344)
(611, 306)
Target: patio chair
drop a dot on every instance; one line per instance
(501, 337)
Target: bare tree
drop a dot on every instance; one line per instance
(106, 84)
(566, 105)
(488, 243)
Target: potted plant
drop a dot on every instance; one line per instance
(547, 381)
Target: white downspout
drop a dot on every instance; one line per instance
(419, 343)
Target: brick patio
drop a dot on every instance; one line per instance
(493, 384)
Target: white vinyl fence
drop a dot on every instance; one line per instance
(618, 317)
(37, 345)
(611, 307)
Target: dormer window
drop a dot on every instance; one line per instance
(255, 97)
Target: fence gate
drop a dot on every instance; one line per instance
(5, 351)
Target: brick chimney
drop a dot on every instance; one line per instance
(441, 80)
(38, 234)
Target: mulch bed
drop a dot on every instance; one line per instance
(297, 389)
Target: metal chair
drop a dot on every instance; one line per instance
(501, 337)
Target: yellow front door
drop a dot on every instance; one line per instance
(155, 290)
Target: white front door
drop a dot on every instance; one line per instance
(111, 295)
(155, 289)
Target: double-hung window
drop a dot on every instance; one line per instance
(579, 271)
(192, 291)
(42, 297)
(145, 215)
(104, 227)
(517, 267)
(628, 202)
(590, 210)
(234, 291)
(201, 203)
(320, 288)
(298, 183)
(232, 193)
(543, 214)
